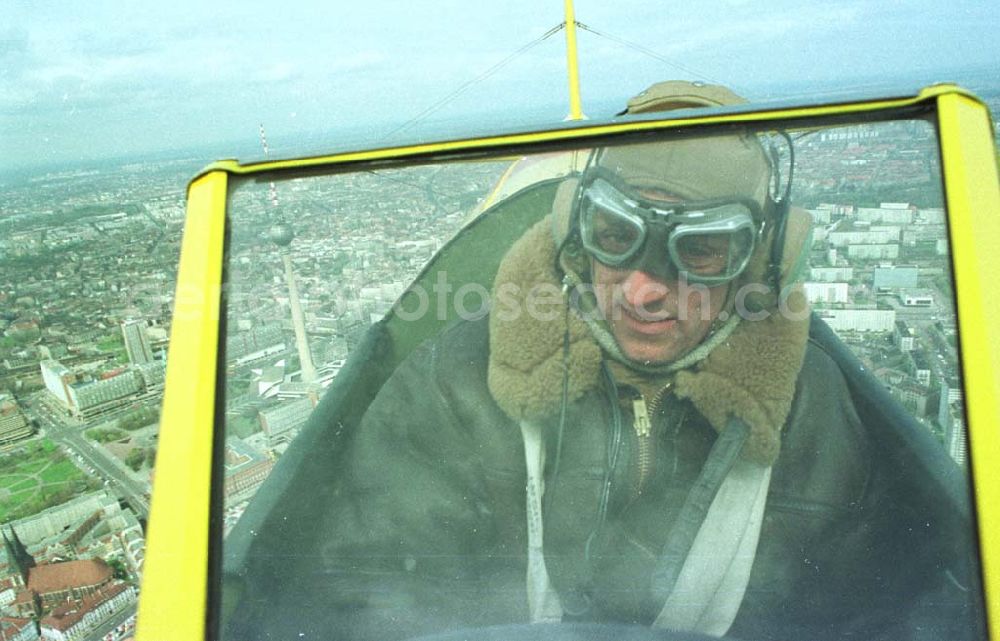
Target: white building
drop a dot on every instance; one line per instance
(872, 235)
(14, 425)
(55, 520)
(849, 134)
(58, 379)
(859, 320)
(933, 216)
(827, 292)
(136, 342)
(153, 375)
(831, 274)
(821, 216)
(873, 252)
(905, 337)
(895, 277)
(282, 421)
(890, 213)
(91, 398)
(957, 441)
(134, 545)
(918, 300)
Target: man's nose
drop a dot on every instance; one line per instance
(642, 290)
(654, 261)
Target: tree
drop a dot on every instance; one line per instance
(135, 458)
(119, 568)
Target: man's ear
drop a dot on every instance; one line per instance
(562, 208)
(794, 261)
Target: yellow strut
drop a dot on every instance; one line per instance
(575, 110)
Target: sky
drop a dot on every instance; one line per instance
(91, 81)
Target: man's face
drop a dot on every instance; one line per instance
(655, 319)
(655, 315)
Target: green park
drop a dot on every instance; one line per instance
(36, 477)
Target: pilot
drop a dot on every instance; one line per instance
(640, 432)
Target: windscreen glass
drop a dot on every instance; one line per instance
(715, 389)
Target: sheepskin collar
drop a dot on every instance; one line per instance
(751, 375)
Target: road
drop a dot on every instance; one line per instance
(112, 622)
(68, 433)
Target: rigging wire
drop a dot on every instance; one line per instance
(272, 190)
(377, 173)
(511, 57)
(483, 76)
(428, 189)
(648, 52)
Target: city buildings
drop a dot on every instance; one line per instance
(136, 342)
(859, 320)
(54, 572)
(895, 277)
(827, 293)
(41, 587)
(90, 525)
(87, 255)
(90, 397)
(18, 629)
(281, 421)
(14, 425)
(74, 618)
(831, 274)
(245, 470)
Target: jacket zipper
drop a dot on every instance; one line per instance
(642, 421)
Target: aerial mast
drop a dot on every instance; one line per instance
(572, 68)
(281, 234)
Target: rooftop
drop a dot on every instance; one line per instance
(55, 577)
(70, 613)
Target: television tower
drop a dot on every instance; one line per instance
(281, 234)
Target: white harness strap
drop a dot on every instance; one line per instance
(714, 577)
(543, 601)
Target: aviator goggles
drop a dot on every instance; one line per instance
(707, 242)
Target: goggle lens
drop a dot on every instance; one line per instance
(720, 254)
(612, 233)
(709, 244)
